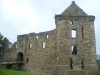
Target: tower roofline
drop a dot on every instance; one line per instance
(74, 10)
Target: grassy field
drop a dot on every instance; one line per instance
(11, 72)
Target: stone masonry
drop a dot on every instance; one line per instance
(67, 50)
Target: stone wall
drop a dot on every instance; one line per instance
(58, 52)
(35, 57)
(85, 58)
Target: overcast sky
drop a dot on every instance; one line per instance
(26, 16)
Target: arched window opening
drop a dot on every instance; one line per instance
(74, 49)
(43, 45)
(30, 45)
(20, 56)
(73, 33)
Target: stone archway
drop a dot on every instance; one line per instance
(20, 56)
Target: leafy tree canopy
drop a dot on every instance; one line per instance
(1, 43)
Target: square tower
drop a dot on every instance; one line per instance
(76, 47)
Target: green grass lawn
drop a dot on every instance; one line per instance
(12, 72)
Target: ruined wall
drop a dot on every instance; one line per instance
(36, 57)
(41, 60)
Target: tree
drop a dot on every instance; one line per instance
(1, 43)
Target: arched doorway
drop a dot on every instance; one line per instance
(20, 56)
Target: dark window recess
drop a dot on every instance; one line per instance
(74, 49)
(71, 62)
(71, 22)
(82, 32)
(82, 65)
(27, 60)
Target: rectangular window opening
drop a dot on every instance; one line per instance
(43, 45)
(71, 63)
(36, 37)
(30, 45)
(74, 49)
(73, 33)
(71, 22)
(82, 33)
(82, 67)
(47, 36)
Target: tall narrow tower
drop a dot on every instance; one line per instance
(75, 42)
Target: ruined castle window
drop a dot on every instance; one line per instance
(30, 46)
(36, 37)
(47, 36)
(27, 60)
(43, 44)
(73, 33)
(16, 46)
(71, 62)
(82, 65)
(74, 49)
(71, 22)
(82, 33)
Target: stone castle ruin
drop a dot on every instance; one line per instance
(67, 50)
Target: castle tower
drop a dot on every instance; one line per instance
(76, 47)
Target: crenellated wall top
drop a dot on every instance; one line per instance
(66, 17)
